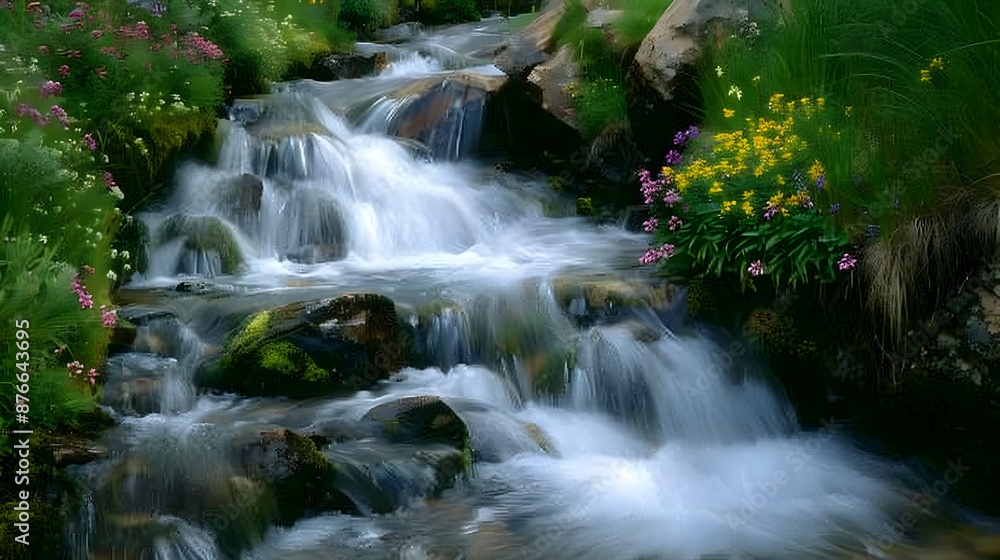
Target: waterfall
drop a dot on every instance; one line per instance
(600, 427)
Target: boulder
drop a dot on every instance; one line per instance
(674, 41)
(439, 111)
(209, 244)
(307, 349)
(553, 77)
(399, 33)
(345, 66)
(425, 419)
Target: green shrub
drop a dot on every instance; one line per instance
(367, 15)
(637, 19)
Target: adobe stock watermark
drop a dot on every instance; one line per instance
(542, 545)
(795, 460)
(895, 531)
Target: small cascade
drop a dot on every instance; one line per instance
(675, 389)
(320, 197)
(598, 426)
(157, 376)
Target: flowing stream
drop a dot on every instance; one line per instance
(659, 440)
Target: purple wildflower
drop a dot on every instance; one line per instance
(756, 268)
(847, 262)
(651, 224)
(653, 255)
(820, 182)
(835, 209)
(64, 70)
(673, 157)
(675, 223)
(671, 197)
(90, 142)
(109, 318)
(50, 89)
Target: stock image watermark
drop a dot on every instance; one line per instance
(22, 437)
(920, 505)
(765, 490)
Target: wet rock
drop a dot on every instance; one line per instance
(310, 348)
(674, 41)
(552, 78)
(399, 33)
(445, 113)
(209, 244)
(425, 419)
(304, 481)
(75, 450)
(601, 299)
(342, 66)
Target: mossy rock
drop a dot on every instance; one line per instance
(425, 419)
(306, 481)
(307, 349)
(207, 235)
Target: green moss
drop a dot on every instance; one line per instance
(584, 207)
(290, 362)
(207, 234)
(250, 335)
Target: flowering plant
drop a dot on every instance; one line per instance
(744, 202)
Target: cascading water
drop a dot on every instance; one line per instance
(598, 432)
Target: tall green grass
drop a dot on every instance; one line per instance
(915, 100)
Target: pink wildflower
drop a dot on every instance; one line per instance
(92, 375)
(653, 255)
(51, 89)
(671, 197)
(109, 181)
(675, 223)
(97, 34)
(90, 142)
(109, 318)
(651, 224)
(756, 268)
(60, 114)
(142, 30)
(847, 262)
(64, 70)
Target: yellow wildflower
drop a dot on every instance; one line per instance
(816, 170)
(747, 195)
(667, 171)
(748, 209)
(937, 63)
(714, 190)
(727, 206)
(774, 103)
(728, 113)
(925, 75)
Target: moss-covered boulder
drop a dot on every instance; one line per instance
(209, 244)
(307, 349)
(304, 481)
(426, 419)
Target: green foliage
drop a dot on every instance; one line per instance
(905, 85)
(637, 19)
(599, 96)
(912, 98)
(584, 207)
(367, 15)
